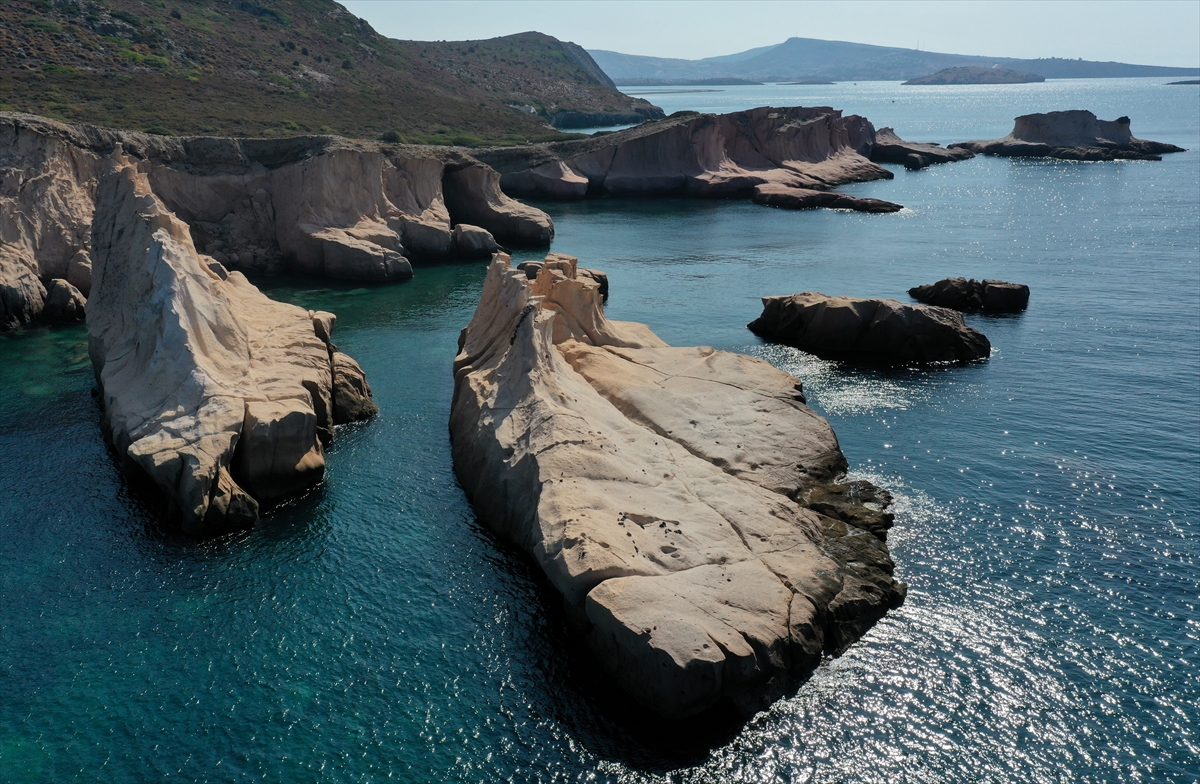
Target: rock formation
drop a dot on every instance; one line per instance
(318, 205)
(883, 328)
(223, 397)
(993, 296)
(1073, 135)
(890, 148)
(775, 195)
(724, 155)
(664, 492)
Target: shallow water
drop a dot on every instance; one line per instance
(1047, 509)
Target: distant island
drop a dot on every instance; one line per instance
(714, 82)
(973, 74)
(1185, 81)
(806, 81)
(812, 59)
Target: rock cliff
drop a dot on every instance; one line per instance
(667, 493)
(317, 205)
(1073, 135)
(223, 397)
(884, 328)
(721, 155)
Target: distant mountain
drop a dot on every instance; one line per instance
(974, 74)
(812, 59)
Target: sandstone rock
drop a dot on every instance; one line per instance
(698, 155)
(352, 399)
(993, 296)
(654, 486)
(79, 272)
(1072, 135)
(775, 195)
(64, 303)
(22, 295)
(472, 242)
(873, 327)
(219, 394)
(890, 148)
(473, 196)
(915, 162)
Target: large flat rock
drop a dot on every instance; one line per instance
(660, 489)
(1076, 135)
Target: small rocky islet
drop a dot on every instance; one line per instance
(706, 558)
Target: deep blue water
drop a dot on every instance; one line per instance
(1047, 515)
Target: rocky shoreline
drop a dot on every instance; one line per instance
(704, 557)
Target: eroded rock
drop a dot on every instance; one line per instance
(881, 328)
(655, 487)
(219, 394)
(890, 148)
(790, 198)
(993, 296)
(1072, 135)
(64, 303)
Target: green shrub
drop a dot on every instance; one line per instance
(59, 70)
(392, 137)
(42, 25)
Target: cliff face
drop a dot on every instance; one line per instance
(318, 205)
(1071, 135)
(699, 155)
(223, 397)
(682, 500)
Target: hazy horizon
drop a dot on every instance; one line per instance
(1152, 32)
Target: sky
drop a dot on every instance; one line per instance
(1147, 32)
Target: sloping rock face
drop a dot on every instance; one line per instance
(317, 205)
(790, 198)
(1073, 135)
(223, 397)
(698, 155)
(890, 148)
(881, 328)
(662, 492)
(992, 296)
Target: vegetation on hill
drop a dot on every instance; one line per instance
(285, 67)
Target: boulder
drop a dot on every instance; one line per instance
(79, 272)
(992, 296)
(64, 303)
(352, 399)
(890, 148)
(221, 396)
(22, 295)
(660, 490)
(915, 162)
(1072, 135)
(882, 328)
(775, 195)
(472, 242)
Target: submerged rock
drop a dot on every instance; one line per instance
(890, 148)
(993, 296)
(661, 491)
(882, 328)
(223, 397)
(775, 195)
(1073, 135)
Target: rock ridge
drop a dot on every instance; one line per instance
(668, 494)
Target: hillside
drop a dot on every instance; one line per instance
(973, 74)
(284, 67)
(809, 59)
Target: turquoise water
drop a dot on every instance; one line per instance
(1047, 514)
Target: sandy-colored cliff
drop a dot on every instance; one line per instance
(667, 493)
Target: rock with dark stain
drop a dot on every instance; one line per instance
(968, 294)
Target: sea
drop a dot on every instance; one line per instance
(1047, 507)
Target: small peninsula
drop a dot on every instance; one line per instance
(974, 74)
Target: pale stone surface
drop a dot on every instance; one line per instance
(22, 295)
(883, 328)
(1071, 135)
(472, 242)
(655, 488)
(221, 395)
(699, 155)
(79, 272)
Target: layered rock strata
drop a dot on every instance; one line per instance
(790, 198)
(725, 155)
(663, 493)
(881, 328)
(316, 205)
(890, 148)
(223, 397)
(1073, 135)
(968, 294)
